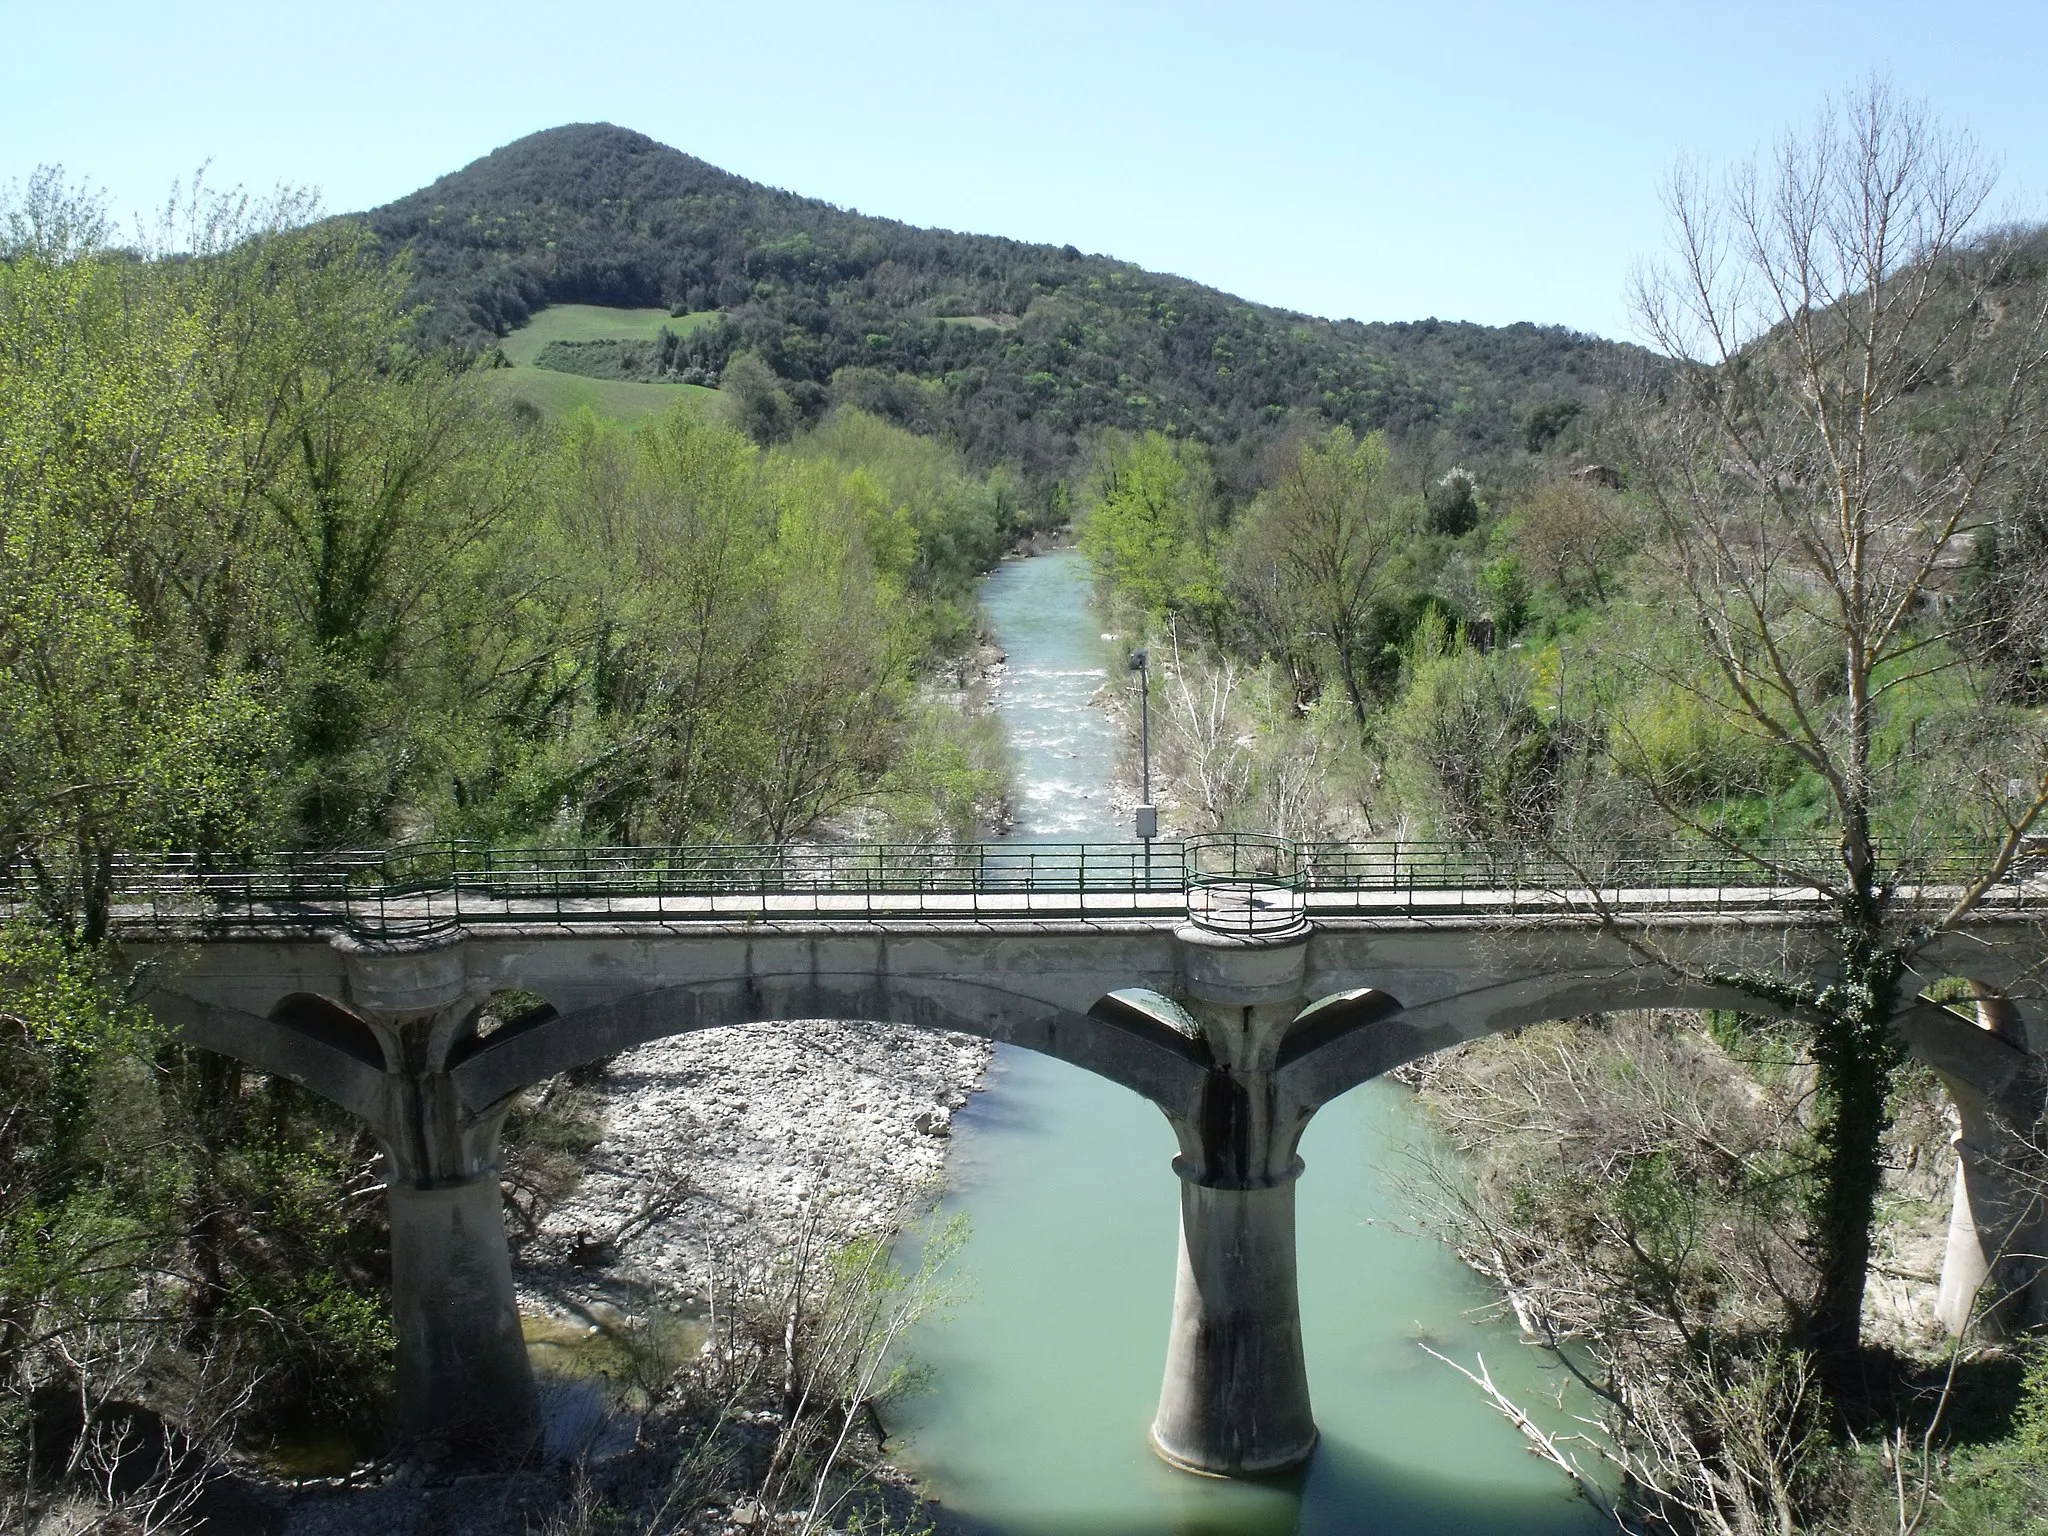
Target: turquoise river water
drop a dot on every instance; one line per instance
(1045, 1375)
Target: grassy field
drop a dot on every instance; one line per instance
(560, 394)
(592, 322)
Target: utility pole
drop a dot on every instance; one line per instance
(1148, 813)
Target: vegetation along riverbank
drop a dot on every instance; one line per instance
(592, 496)
(1775, 603)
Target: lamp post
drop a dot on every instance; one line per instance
(1148, 813)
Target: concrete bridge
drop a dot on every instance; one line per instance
(1237, 999)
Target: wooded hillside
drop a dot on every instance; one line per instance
(1014, 351)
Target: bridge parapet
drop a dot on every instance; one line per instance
(1227, 883)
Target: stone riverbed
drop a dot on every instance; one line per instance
(726, 1140)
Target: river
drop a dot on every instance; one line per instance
(1044, 1376)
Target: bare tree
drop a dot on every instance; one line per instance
(1857, 399)
(1575, 533)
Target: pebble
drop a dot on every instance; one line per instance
(765, 1122)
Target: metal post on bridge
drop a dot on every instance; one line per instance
(1148, 813)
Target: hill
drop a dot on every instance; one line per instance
(1015, 351)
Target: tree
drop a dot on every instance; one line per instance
(1472, 748)
(754, 399)
(1150, 532)
(115, 732)
(1858, 391)
(1574, 534)
(1505, 586)
(1451, 504)
(1308, 560)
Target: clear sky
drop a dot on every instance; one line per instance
(1473, 161)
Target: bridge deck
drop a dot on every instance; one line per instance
(1247, 907)
(1232, 883)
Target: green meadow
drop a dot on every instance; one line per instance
(561, 394)
(594, 322)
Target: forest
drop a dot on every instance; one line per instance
(1015, 353)
(277, 570)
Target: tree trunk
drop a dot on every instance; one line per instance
(1855, 1056)
(215, 1085)
(1350, 672)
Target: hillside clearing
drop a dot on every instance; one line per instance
(594, 322)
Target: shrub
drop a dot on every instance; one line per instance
(1690, 753)
(1505, 586)
(1471, 750)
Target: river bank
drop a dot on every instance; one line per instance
(727, 1141)
(718, 1150)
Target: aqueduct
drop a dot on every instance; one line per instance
(1238, 1038)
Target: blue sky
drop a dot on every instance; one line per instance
(1474, 161)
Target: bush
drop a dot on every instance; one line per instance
(1690, 752)
(1505, 586)
(1451, 504)
(2002, 1489)
(1472, 750)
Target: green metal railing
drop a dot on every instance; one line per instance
(1232, 883)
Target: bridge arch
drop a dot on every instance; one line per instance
(307, 1039)
(1992, 1268)
(1976, 1057)
(1143, 1054)
(1396, 1035)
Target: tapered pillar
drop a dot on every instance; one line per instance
(1992, 1272)
(1235, 1400)
(463, 1374)
(1994, 1260)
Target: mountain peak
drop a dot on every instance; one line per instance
(1014, 350)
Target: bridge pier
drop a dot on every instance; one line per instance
(1235, 1399)
(463, 1372)
(1992, 1274)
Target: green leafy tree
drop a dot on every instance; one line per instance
(754, 399)
(1451, 504)
(1470, 746)
(1505, 586)
(116, 732)
(1308, 561)
(84, 1208)
(1150, 531)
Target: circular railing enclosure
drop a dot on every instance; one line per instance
(1244, 883)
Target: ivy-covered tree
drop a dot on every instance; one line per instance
(1860, 384)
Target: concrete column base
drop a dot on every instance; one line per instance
(1991, 1264)
(463, 1374)
(1235, 1401)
